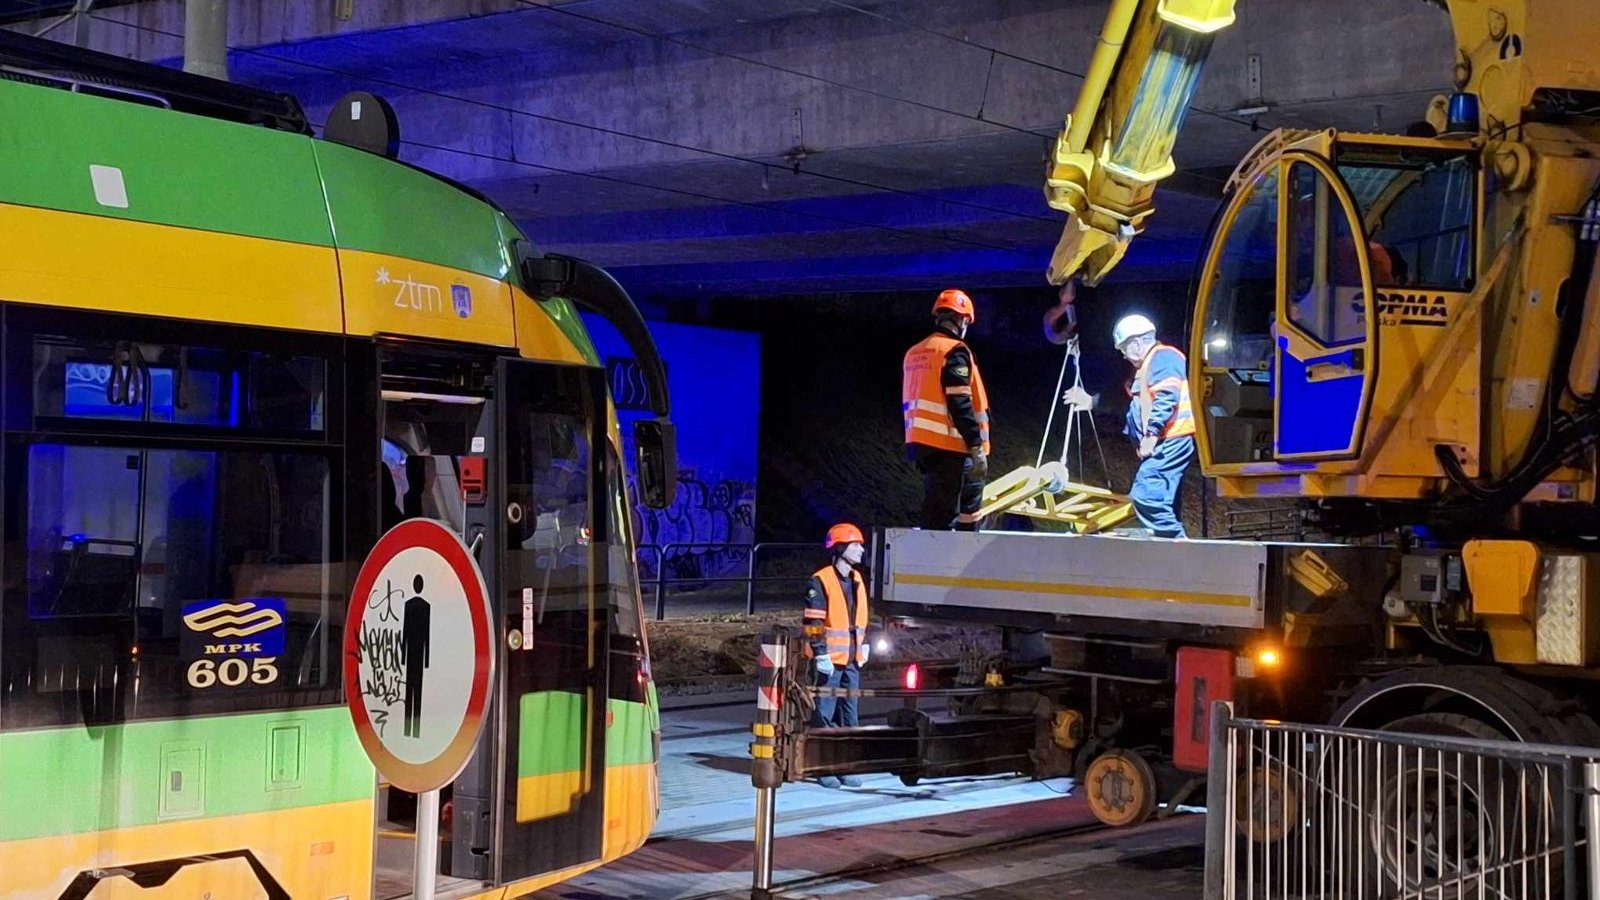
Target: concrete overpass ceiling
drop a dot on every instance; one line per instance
(661, 138)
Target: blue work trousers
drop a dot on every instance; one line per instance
(1156, 484)
(837, 712)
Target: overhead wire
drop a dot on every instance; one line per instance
(1004, 54)
(993, 52)
(831, 82)
(628, 182)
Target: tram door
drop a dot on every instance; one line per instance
(438, 426)
(511, 458)
(551, 803)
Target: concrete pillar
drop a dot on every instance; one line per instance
(205, 38)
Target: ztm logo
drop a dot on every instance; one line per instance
(234, 619)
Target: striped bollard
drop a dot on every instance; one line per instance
(764, 773)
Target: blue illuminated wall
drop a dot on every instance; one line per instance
(714, 379)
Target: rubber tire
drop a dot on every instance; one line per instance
(1128, 768)
(1453, 725)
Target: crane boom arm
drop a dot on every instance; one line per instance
(1117, 143)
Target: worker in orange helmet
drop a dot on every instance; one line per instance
(946, 415)
(836, 631)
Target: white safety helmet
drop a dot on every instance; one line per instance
(1129, 327)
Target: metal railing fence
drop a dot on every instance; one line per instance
(664, 579)
(1297, 812)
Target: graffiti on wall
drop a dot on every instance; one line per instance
(705, 512)
(629, 391)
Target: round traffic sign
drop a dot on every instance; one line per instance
(418, 655)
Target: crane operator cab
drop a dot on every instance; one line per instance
(1337, 279)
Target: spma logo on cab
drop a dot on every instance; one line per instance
(1406, 309)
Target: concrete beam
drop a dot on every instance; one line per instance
(594, 117)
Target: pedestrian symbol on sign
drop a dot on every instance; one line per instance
(414, 652)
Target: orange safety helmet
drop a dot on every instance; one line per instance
(843, 533)
(956, 301)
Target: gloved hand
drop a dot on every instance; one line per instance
(1077, 398)
(824, 665)
(866, 653)
(980, 464)
(1147, 446)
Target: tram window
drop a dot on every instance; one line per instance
(550, 478)
(177, 385)
(627, 612)
(629, 670)
(557, 531)
(195, 581)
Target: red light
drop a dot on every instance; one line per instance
(913, 677)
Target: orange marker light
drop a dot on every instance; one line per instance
(1269, 658)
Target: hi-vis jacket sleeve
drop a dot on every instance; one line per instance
(956, 379)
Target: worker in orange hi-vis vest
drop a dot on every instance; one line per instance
(836, 632)
(946, 413)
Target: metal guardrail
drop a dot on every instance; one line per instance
(750, 579)
(1297, 812)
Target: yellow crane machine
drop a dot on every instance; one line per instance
(1404, 330)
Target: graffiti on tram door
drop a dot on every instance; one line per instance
(396, 647)
(233, 643)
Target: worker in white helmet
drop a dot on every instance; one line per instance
(1160, 420)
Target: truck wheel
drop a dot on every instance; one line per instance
(1121, 788)
(1441, 822)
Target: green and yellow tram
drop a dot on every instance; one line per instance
(231, 355)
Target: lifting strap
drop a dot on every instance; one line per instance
(1074, 356)
(1047, 490)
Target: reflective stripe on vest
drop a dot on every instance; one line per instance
(837, 629)
(1182, 421)
(923, 399)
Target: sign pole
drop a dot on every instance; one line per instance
(425, 868)
(419, 652)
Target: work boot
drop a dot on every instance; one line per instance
(850, 781)
(828, 781)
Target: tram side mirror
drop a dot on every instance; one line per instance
(656, 443)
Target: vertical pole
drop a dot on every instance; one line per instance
(1219, 818)
(205, 38)
(1591, 813)
(766, 815)
(425, 871)
(661, 582)
(80, 22)
(750, 583)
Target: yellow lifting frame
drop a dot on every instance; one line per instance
(1044, 492)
